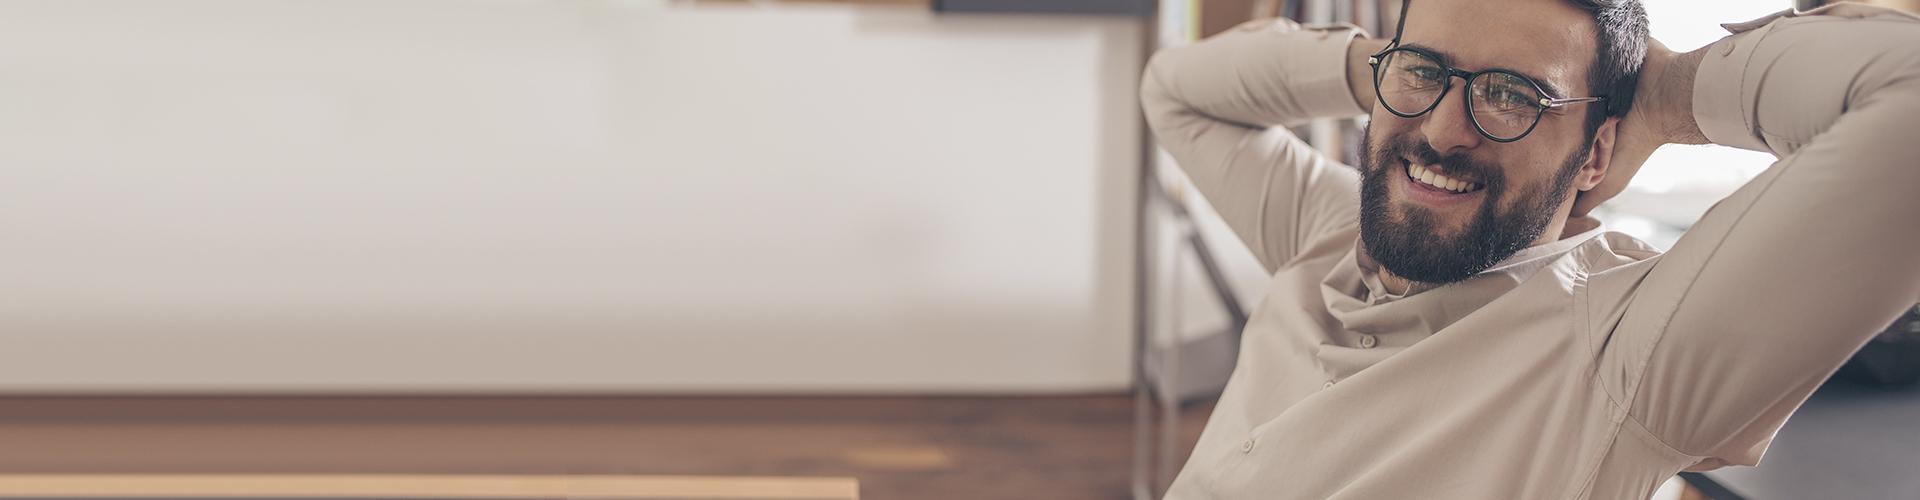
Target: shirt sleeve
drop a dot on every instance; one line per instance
(1216, 106)
(1731, 330)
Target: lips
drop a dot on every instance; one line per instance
(1425, 175)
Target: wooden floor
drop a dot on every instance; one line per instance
(898, 447)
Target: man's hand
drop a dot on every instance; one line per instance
(1662, 114)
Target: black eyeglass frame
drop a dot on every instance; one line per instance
(1546, 102)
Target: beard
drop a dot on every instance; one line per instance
(1405, 237)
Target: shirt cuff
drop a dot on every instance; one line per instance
(1320, 84)
(1722, 92)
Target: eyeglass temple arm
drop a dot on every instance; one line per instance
(1401, 25)
(1555, 103)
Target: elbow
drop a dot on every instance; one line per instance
(1157, 101)
(1151, 91)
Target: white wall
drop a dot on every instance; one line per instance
(573, 196)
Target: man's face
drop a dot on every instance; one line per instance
(1515, 190)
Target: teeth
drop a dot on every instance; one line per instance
(1434, 179)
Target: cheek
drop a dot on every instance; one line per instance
(1558, 135)
(1386, 124)
(1382, 129)
(1527, 177)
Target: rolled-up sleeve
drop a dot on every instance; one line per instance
(1216, 106)
(1731, 330)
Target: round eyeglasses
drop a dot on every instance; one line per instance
(1504, 106)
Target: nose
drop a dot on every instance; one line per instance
(1448, 127)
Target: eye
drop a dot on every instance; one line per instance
(1424, 76)
(1425, 72)
(1507, 99)
(1504, 94)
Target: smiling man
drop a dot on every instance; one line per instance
(1446, 322)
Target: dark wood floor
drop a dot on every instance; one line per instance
(898, 447)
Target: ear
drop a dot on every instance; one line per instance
(1599, 156)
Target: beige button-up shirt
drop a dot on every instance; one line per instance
(1592, 367)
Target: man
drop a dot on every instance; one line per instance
(1444, 320)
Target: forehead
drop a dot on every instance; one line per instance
(1549, 40)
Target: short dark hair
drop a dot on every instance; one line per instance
(1620, 38)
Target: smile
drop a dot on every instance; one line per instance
(1420, 174)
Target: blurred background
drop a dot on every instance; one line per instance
(923, 244)
(572, 196)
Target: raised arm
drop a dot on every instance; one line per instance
(1780, 282)
(1215, 105)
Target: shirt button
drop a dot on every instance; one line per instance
(1329, 384)
(1368, 341)
(1246, 446)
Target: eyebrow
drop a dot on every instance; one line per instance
(1447, 59)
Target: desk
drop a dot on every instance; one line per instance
(404, 486)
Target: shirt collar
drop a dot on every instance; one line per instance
(1522, 262)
